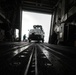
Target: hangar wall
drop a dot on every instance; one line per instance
(64, 24)
(9, 19)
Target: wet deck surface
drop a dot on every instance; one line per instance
(22, 58)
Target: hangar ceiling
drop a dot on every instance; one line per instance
(46, 6)
(10, 9)
(34, 5)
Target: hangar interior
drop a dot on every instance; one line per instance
(62, 37)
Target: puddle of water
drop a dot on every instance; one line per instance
(48, 64)
(19, 50)
(43, 57)
(25, 52)
(33, 65)
(22, 56)
(15, 63)
(47, 53)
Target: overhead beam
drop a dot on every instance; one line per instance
(37, 10)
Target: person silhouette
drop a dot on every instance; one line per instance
(24, 37)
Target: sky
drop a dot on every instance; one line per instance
(32, 18)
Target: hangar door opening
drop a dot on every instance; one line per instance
(32, 18)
